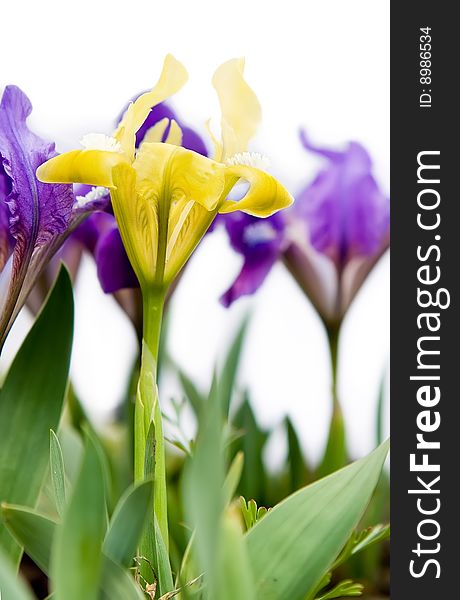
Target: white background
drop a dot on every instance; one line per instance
(321, 65)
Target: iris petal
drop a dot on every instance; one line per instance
(156, 132)
(173, 77)
(93, 167)
(188, 222)
(181, 173)
(241, 112)
(136, 214)
(174, 135)
(264, 197)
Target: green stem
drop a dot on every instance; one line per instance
(333, 332)
(335, 455)
(147, 411)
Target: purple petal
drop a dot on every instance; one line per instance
(39, 211)
(88, 233)
(113, 267)
(6, 243)
(346, 212)
(260, 242)
(249, 279)
(89, 198)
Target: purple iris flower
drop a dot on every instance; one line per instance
(347, 214)
(33, 215)
(101, 236)
(261, 242)
(329, 240)
(6, 242)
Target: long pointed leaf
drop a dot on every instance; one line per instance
(57, 473)
(128, 522)
(76, 561)
(295, 544)
(31, 402)
(12, 587)
(117, 583)
(230, 367)
(33, 531)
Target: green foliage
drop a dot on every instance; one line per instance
(362, 540)
(76, 558)
(251, 512)
(31, 405)
(299, 473)
(12, 587)
(154, 565)
(203, 487)
(296, 543)
(191, 392)
(42, 537)
(300, 549)
(128, 523)
(335, 455)
(229, 371)
(233, 477)
(344, 589)
(33, 531)
(251, 443)
(57, 473)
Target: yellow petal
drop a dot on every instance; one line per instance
(136, 214)
(174, 173)
(174, 135)
(156, 132)
(93, 167)
(241, 112)
(218, 150)
(264, 197)
(173, 77)
(188, 222)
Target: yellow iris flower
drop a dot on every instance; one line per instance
(165, 197)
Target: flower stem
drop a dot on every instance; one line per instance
(333, 332)
(147, 411)
(335, 455)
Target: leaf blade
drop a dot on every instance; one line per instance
(76, 559)
(57, 473)
(295, 544)
(31, 406)
(33, 531)
(127, 523)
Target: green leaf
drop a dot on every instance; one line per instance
(362, 540)
(57, 473)
(298, 471)
(31, 403)
(336, 454)
(235, 577)
(203, 489)
(251, 444)
(344, 589)
(251, 513)
(72, 451)
(380, 412)
(76, 560)
(194, 396)
(230, 367)
(295, 544)
(233, 477)
(128, 522)
(118, 583)
(12, 587)
(33, 531)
